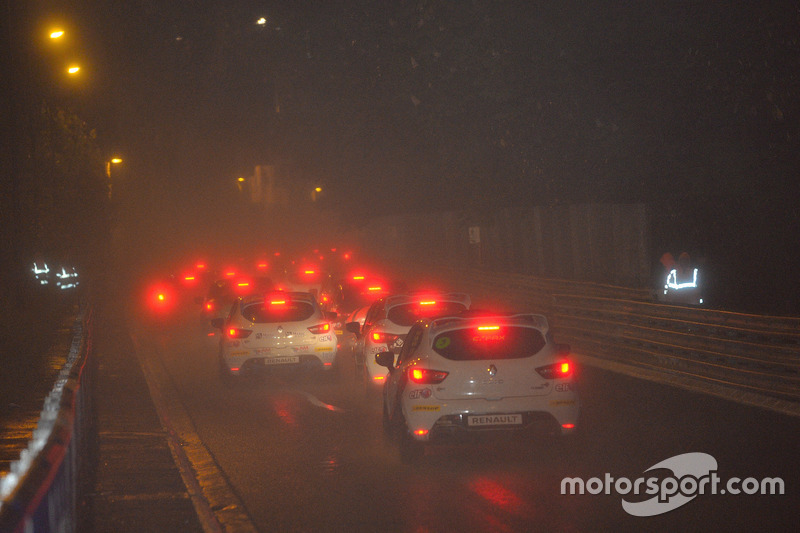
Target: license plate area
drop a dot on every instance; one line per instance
(495, 420)
(282, 360)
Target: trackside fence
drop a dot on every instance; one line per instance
(753, 353)
(40, 492)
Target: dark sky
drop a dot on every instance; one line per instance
(438, 104)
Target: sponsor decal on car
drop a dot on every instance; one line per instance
(564, 387)
(428, 408)
(419, 393)
(238, 354)
(323, 349)
(556, 403)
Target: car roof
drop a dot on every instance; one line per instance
(447, 323)
(402, 299)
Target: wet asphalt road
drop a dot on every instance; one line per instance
(305, 453)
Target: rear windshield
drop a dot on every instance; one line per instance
(285, 312)
(492, 342)
(407, 314)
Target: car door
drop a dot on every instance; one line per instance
(395, 384)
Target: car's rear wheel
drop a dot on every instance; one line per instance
(411, 450)
(225, 375)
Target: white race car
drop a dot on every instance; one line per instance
(457, 378)
(283, 329)
(389, 319)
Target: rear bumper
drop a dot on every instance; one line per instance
(306, 362)
(546, 415)
(454, 428)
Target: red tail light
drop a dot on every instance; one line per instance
(319, 329)
(428, 302)
(383, 338)
(426, 376)
(236, 333)
(562, 369)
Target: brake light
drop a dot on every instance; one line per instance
(209, 306)
(358, 278)
(374, 289)
(428, 302)
(426, 376)
(236, 333)
(562, 369)
(383, 338)
(200, 266)
(309, 272)
(488, 328)
(320, 328)
(277, 302)
(262, 266)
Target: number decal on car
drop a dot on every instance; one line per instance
(442, 342)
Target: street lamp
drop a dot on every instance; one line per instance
(315, 192)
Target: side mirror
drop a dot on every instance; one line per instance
(353, 327)
(385, 359)
(217, 322)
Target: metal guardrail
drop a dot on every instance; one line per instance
(40, 492)
(753, 353)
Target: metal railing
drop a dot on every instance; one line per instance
(751, 352)
(40, 491)
(755, 353)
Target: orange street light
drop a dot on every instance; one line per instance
(112, 161)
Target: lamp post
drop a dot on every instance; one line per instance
(112, 161)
